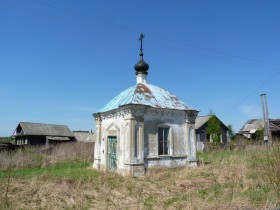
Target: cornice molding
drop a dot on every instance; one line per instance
(138, 111)
(191, 116)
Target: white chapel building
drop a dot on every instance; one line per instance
(144, 127)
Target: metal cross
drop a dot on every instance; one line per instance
(141, 40)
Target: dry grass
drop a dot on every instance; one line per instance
(40, 156)
(229, 180)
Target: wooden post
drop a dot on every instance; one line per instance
(47, 141)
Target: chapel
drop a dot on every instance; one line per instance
(144, 127)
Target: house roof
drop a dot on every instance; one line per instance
(40, 129)
(274, 125)
(145, 94)
(201, 120)
(84, 136)
(254, 124)
(91, 138)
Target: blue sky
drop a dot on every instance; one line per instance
(62, 60)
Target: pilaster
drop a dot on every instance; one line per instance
(97, 144)
(129, 136)
(141, 143)
(191, 140)
(135, 147)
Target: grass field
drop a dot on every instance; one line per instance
(248, 179)
(6, 139)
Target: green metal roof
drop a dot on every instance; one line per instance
(145, 94)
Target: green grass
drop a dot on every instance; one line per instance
(150, 203)
(8, 139)
(260, 194)
(218, 157)
(74, 170)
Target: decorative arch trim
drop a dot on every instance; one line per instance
(112, 125)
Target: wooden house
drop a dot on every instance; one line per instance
(27, 133)
(250, 129)
(201, 130)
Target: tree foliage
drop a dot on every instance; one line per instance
(231, 132)
(214, 129)
(260, 134)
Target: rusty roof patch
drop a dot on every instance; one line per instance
(142, 89)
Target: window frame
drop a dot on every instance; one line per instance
(164, 141)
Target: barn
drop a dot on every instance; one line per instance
(28, 133)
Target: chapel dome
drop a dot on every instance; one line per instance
(141, 67)
(143, 93)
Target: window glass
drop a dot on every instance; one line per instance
(163, 141)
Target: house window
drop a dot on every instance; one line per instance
(163, 140)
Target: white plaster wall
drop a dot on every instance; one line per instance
(115, 126)
(122, 122)
(166, 162)
(176, 120)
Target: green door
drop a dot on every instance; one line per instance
(112, 153)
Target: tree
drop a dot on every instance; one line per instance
(214, 128)
(231, 132)
(260, 134)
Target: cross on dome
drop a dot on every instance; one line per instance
(141, 41)
(141, 67)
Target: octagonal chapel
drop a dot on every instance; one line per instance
(144, 127)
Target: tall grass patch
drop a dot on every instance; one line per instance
(224, 180)
(267, 166)
(41, 156)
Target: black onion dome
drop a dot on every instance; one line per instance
(141, 66)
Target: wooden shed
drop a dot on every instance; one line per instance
(27, 133)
